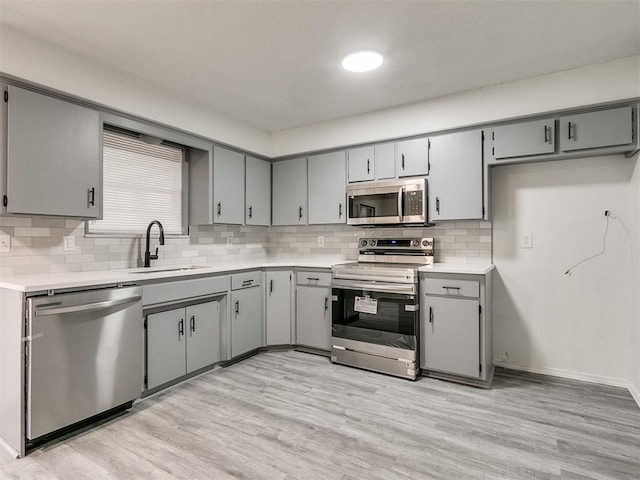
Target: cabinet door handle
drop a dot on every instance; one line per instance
(570, 135)
(192, 323)
(180, 328)
(430, 314)
(339, 210)
(270, 286)
(299, 213)
(92, 197)
(326, 303)
(237, 307)
(403, 161)
(547, 134)
(368, 166)
(438, 205)
(251, 211)
(219, 208)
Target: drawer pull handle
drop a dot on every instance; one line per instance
(313, 279)
(246, 282)
(451, 288)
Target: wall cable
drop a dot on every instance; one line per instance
(607, 214)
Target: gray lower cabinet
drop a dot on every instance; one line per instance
(246, 313)
(278, 294)
(181, 341)
(361, 164)
(456, 337)
(53, 157)
(604, 128)
(289, 187)
(313, 309)
(258, 192)
(412, 157)
(327, 188)
(455, 179)
(228, 186)
(524, 139)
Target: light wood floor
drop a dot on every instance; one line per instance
(286, 415)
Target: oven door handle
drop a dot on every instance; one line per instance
(407, 289)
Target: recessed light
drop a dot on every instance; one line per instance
(362, 60)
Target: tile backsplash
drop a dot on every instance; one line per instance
(37, 244)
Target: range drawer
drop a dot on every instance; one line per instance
(172, 291)
(451, 287)
(313, 278)
(245, 280)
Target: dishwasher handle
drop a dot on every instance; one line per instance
(86, 307)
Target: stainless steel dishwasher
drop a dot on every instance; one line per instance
(84, 356)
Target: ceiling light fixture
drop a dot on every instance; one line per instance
(362, 60)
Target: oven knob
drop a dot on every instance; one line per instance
(414, 243)
(372, 243)
(363, 243)
(425, 243)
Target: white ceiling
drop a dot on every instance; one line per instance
(276, 65)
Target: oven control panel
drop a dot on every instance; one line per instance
(398, 250)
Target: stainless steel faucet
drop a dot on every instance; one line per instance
(147, 253)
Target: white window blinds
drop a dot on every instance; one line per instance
(141, 182)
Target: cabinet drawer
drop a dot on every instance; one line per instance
(458, 288)
(173, 291)
(313, 279)
(244, 280)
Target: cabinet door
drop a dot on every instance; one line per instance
(360, 164)
(54, 157)
(228, 186)
(246, 321)
(524, 139)
(455, 180)
(278, 292)
(385, 164)
(327, 189)
(202, 329)
(412, 157)
(451, 335)
(313, 317)
(290, 192)
(166, 352)
(258, 192)
(606, 128)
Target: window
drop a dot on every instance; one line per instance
(142, 181)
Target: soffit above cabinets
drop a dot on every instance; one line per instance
(276, 65)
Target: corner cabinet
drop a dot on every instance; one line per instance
(228, 186)
(52, 156)
(290, 192)
(327, 188)
(456, 341)
(455, 179)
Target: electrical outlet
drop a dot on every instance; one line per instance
(69, 243)
(5, 243)
(526, 240)
(321, 240)
(228, 241)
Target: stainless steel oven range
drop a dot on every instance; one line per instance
(375, 317)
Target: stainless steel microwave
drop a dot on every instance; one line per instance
(388, 203)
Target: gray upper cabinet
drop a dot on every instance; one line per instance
(228, 186)
(290, 192)
(327, 188)
(524, 139)
(54, 157)
(385, 164)
(605, 128)
(412, 157)
(455, 181)
(258, 192)
(361, 164)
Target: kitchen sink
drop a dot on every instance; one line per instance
(167, 269)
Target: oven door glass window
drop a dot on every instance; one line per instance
(375, 205)
(382, 318)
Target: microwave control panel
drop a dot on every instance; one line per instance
(413, 204)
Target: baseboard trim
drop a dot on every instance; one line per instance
(559, 372)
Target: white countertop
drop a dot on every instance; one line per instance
(52, 281)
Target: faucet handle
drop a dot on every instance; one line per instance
(154, 257)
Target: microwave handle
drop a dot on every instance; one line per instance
(401, 191)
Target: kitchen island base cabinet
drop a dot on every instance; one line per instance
(313, 312)
(456, 339)
(181, 341)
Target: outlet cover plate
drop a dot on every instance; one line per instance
(321, 240)
(69, 243)
(526, 240)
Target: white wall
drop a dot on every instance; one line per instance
(615, 80)
(635, 265)
(31, 59)
(574, 326)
